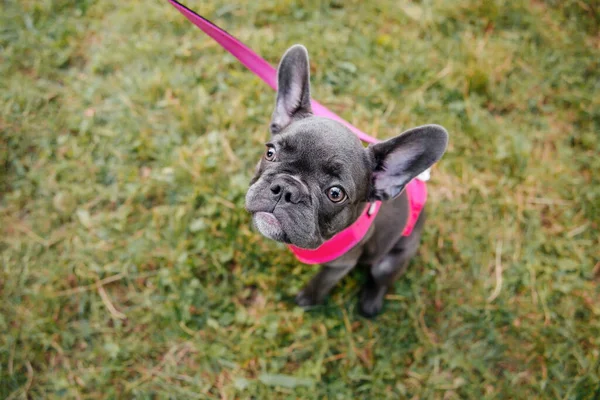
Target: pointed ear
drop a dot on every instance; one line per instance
(398, 160)
(293, 89)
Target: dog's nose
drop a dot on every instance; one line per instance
(289, 191)
(275, 189)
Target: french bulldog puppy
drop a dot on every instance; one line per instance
(316, 178)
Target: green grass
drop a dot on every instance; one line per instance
(129, 268)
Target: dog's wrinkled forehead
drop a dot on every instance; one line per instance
(319, 141)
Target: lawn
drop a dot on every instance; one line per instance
(129, 267)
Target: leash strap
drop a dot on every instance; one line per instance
(258, 65)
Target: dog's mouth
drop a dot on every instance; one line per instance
(269, 226)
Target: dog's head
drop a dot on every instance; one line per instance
(315, 177)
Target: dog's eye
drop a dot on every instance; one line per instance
(270, 154)
(336, 194)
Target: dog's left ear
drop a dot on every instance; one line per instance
(400, 159)
(293, 89)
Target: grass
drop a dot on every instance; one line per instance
(129, 268)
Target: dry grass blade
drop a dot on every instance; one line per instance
(110, 307)
(498, 272)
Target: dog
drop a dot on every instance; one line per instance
(316, 178)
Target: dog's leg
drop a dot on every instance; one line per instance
(321, 284)
(317, 289)
(382, 275)
(380, 278)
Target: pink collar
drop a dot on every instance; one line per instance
(341, 243)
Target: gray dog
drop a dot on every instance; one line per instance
(316, 178)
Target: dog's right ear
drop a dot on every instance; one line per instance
(398, 160)
(293, 89)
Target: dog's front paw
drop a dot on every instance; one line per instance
(370, 309)
(306, 298)
(371, 302)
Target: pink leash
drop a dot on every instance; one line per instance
(348, 238)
